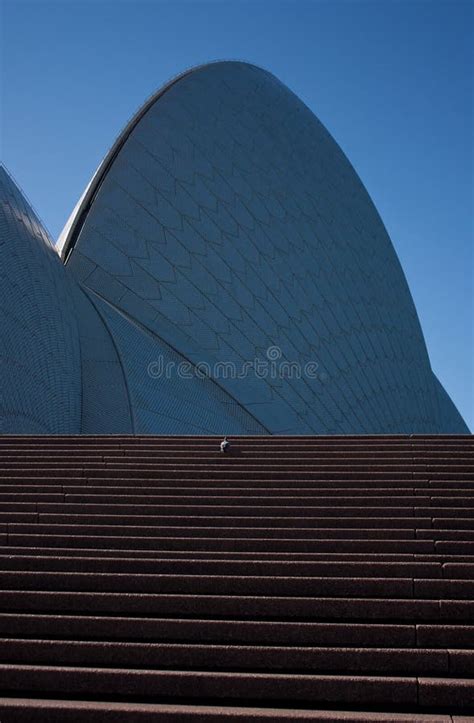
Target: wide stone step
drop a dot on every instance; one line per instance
(220, 466)
(211, 631)
(406, 587)
(242, 484)
(276, 568)
(61, 711)
(152, 526)
(239, 584)
(119, 496)
(410, 495)
(196, 656)
(236, 507)
(252, 548)
(130, 495)
(243, 547)
(116, 540)
(241, 456)
(234, 472)
(138, 515)
(247, 687)
(12, 554)
(216, 475)
(265, 607)
(239, 459)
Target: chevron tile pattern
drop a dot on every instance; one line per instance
(225, 272)
(40, 383)
(230, 222)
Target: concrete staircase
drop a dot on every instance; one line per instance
(297, 578)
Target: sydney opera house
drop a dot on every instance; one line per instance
(225, 271)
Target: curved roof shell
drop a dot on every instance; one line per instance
(230, 225)
(40, 376)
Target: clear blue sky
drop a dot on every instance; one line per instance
(391, 80)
